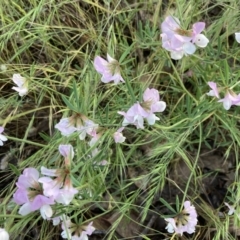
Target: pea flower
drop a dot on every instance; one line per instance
(109, 69)
(146, 110)
(60, 188)
(214, 92)
(185, 221)
(76, 231)
(4, 234)
(118, 136)
(2, 137)
(230, 99)
(134, 116)
(65, 126)
(30, 194)
(152, 104)
(237, 37)
(76, 123)
(22, 85)
(181, 42)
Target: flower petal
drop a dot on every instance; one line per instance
(201, 41)
(237, 37)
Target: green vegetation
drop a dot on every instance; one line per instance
(191, 153)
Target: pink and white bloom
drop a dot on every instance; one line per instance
(185, 221)
(152, 104)
(76, 123)
(81, 232)
(237, 37)
(138, 112)
(66, 126)
(230, 99)
(4, 234)
(22, 84)
(214, 92)
(89, 128)
(109, 69)
(2, 137)
(60, 188)
(181, 42)
(29, 193)
(134, 116)
(197, 38)
(118, 136)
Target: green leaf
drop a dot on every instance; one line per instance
(167, 205)
(14, 169)
(76, 95)
(68, 104)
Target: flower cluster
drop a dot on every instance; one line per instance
(229, 99)
(38, 193)
(182, 42)
(85, 127)
(77, 123)
(54, 186)
(146, 110)
(185, 221)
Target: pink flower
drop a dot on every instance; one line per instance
(197, 38)
(134, 116)
(78, 123)
(118, 136)
(60, 188)
(22, 86)
(214, 92)
(88, 128)
(66, 127)
(151, 104)
(230, 99)
(67, 152)
(75, 231)
(29, 193)
(2, 137)
(181, 42)
(171, 27)
(185, 221)
(110, 69)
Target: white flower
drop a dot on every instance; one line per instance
(2, 137)
(185, 221)
(3, 234)
(22, 86)
(231, 208)
(46, 211)
(201, 40)
(237, 37)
